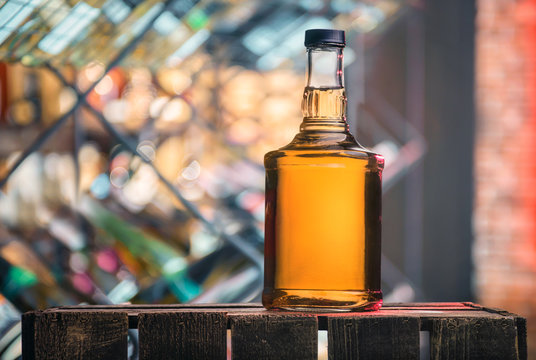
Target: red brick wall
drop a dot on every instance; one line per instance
(505, 158)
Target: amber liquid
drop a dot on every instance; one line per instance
(323, 215)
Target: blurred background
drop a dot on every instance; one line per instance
(132, 134)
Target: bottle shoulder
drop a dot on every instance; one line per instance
(333, 154)
(357, 152)
(320, 143)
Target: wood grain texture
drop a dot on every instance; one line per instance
(474, 338)
(182, 335)
(263, 337)
(373, 338)
(81, 335)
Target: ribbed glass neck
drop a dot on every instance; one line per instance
(324, 98)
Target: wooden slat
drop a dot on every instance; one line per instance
(81, 335)
(343, 339)
(150, 307)
(28, 335)
(257, 306)
(260, 336)
(395, 309)
(185, 335)
(373, 338)
(521, 324)
(474, 338)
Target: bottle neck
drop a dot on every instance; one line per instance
(325, 67)
(324, 98)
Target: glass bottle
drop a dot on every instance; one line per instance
(28, 291)
(51, 28)
(323, 200)
(120, 21)
(16, 15)
(64, 40)
(170, 30)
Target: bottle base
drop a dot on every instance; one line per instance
(322, 300)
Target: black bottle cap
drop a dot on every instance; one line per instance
(319, 37)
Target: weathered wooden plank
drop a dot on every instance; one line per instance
(373, 338)
(474, 338)
(521, 324)
(254, 306)
(184, 334)
(81, 335)
(426, 311)
(150, 307)
(263, 337)
(28, 335)
(343, 340)
(417, 306)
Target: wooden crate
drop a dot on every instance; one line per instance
(455, 331)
